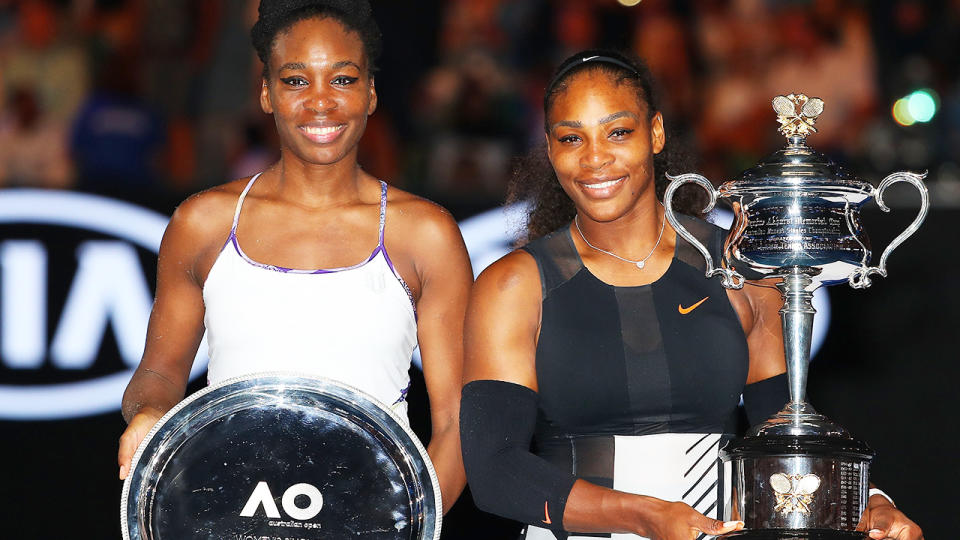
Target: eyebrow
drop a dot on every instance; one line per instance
(605, 120)
(337, 65)
(621, 114)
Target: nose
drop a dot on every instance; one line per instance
(595, 157)
(320, 100)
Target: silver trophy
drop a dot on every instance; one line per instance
(797, 218)
(272, 456)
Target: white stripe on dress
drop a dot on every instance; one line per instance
(669, 466)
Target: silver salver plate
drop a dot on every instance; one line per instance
(280, 457)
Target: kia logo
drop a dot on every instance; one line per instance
(108, 289)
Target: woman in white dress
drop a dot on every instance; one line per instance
(313, 265)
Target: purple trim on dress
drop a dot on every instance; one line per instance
(383, 210)
(406, 288)
(386, 256)
(232, 237)
(285, 270)
(403, 395)
(243, 195)
(381, 248)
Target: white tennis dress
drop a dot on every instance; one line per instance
(355, 324)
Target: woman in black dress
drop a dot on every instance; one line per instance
(602, 343)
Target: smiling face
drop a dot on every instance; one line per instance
(601, 144)
(319, 91)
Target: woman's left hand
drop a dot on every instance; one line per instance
(883, 520)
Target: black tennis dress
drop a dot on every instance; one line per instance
(638, 386)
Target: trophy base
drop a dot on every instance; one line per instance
(784, 485)
(795, 534)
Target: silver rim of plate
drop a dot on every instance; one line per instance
(368, 408)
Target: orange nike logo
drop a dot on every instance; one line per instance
(684, 311)
(546, 514)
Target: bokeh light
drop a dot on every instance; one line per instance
(920, 106)
(901, 113)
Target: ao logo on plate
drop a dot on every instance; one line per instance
(108, 288)
(263, 498)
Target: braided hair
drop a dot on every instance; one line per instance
(534, 181)
(276, 16)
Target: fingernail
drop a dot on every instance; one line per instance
(123, 472)
(732, 523)
(873, 532)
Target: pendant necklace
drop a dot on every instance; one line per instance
(639, 264)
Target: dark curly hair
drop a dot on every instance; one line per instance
(534, 180)
(276, 16)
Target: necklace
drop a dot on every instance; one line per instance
(639, 264)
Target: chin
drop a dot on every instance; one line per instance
(603, 212)
(327, 156)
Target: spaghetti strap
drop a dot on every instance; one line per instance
(243, 195)
(383, 209)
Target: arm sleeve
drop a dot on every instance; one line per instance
(763, 399)
(497, 421)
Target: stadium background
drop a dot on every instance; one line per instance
(146, 101)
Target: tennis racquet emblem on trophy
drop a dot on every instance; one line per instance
(797, 475)
(794, 492)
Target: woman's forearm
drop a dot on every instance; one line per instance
(592, 508)
(444, 450)
(150, 390)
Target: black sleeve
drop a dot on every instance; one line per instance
(763, 399)
(497, 421)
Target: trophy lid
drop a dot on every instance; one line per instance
(797, 165)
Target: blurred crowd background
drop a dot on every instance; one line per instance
(150, 100)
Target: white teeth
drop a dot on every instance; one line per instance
(602, 185)
(321, 130)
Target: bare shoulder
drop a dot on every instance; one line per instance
(513, 277)
(503, 322)
(198, 230)
(209, 213)
(412, 209)
(421, 221)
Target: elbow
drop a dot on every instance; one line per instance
(484, 468)
(477, 470)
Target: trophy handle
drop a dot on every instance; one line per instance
(731, 279)
(860, 279)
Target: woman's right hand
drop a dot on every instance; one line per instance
(678, 521)
(137, 429)
(592, 508)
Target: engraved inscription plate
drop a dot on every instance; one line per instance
(854, 477)
(790, 233)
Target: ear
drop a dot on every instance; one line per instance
(373, 97)
(265, 97)
(657, 136)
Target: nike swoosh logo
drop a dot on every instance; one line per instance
(684, 311)
(546, 514)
